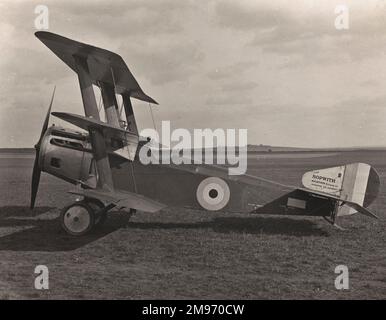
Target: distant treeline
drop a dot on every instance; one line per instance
(251, 149)
(17, 150)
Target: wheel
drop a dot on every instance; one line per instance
(96, 205)
(77, 219)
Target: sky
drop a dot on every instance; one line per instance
(280, 69)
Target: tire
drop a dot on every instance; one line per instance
(77, 219)
(96, 205)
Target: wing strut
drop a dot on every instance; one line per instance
(130, 118)
(85, 82)
(110, 103)
(105, 180)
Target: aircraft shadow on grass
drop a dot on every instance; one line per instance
(43, 234)
(46, 235)
(254, 225)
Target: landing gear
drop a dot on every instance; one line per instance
(97, 206)
(334, 213)
(82, 216)
(78, 218)
(128, 217)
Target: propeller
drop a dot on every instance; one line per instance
(36, 169)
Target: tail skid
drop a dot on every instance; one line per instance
(333, 223)
(353, 205)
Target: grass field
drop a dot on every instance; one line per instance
(181, 254)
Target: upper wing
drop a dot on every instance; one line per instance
(103, 65)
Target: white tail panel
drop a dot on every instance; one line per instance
(328, 180)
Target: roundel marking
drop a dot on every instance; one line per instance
(213, 193)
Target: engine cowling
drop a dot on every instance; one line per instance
(67, 154)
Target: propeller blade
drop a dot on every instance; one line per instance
(36, 169)
(46, 120)
(35, 180)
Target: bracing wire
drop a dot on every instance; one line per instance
(152, 116)
(133, 176)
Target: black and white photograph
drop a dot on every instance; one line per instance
(190, 151)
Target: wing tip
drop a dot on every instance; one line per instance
(42, 35)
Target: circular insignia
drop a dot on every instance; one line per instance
(213, 193)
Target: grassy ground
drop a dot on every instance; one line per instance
(189, 254)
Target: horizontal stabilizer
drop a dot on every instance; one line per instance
(361, 210)
(310, 203)
(103, 65)
(351, 205)
(122, 198)
(298, 202)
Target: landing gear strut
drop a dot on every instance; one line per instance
(334, 213)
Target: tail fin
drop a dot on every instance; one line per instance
(356, 184)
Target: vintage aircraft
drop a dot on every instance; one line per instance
(102, 162)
